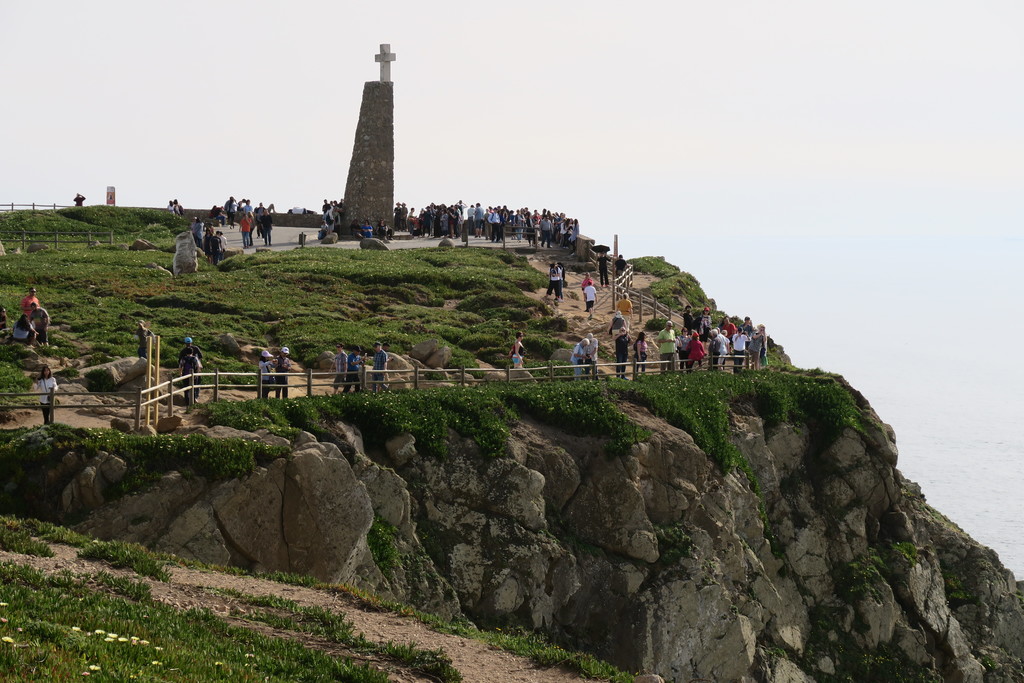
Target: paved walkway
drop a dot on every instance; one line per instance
(288, 238)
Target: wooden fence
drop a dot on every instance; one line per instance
(33, 207)
(55, 238)
(147, 405)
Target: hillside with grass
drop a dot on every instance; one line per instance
(710, 525)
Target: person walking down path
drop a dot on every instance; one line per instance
(590, 294)
(45, 384)
(667, 347)
(189, 365)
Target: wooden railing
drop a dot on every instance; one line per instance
(147, 404)
(33, 207)
(56, 238)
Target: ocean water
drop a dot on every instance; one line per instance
(928, 329)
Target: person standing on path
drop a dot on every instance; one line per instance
(667, 347)
(380, 362)
(739, 349)
(355, 361)
(266, 372)
(340, 367)
(602, 268)
(517, 352)
(282, 366)
(245, 227)
(44, 385)
(267, 222)
(640, 351)
(621, 352)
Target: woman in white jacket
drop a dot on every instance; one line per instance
(44, 385)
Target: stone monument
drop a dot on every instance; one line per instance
(370, 190)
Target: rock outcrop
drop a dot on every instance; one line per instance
(831, 567)
(185, 259)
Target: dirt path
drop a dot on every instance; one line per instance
(191, 588)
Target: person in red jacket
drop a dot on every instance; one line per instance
(696, 352)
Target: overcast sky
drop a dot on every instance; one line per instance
(678, 117)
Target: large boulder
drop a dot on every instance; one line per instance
(37, 246)
(142, 245)
(446, 243)
(561, 356)
(3, 252)
(230, 345)
(423, 350)
(122, 370)
(185, 260)
(330, 238)
(374, 244)
(325, 361)
(439, 358)
(233, 251)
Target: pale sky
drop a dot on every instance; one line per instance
(674, 118)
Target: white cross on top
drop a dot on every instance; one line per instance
(385, 58)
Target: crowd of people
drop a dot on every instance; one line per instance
(493, 223)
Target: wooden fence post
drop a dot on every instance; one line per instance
(309, 381)
(259, 383)
(170, 398)
(111, 237)
(551, 371)
(416, 377)
(462, 376)
(138, 409)
(635, 366)
(362, 377)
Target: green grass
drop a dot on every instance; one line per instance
(332, 626)
(23, 451)
(127, 556)
(59, 628)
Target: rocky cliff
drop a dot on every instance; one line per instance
(814, 560)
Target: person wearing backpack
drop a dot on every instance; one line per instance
(190, 365)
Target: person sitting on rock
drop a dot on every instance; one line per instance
(23, 331)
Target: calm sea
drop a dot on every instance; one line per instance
(929, 329)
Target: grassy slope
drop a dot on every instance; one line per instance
(309, 299)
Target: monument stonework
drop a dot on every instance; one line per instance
(370, 189)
